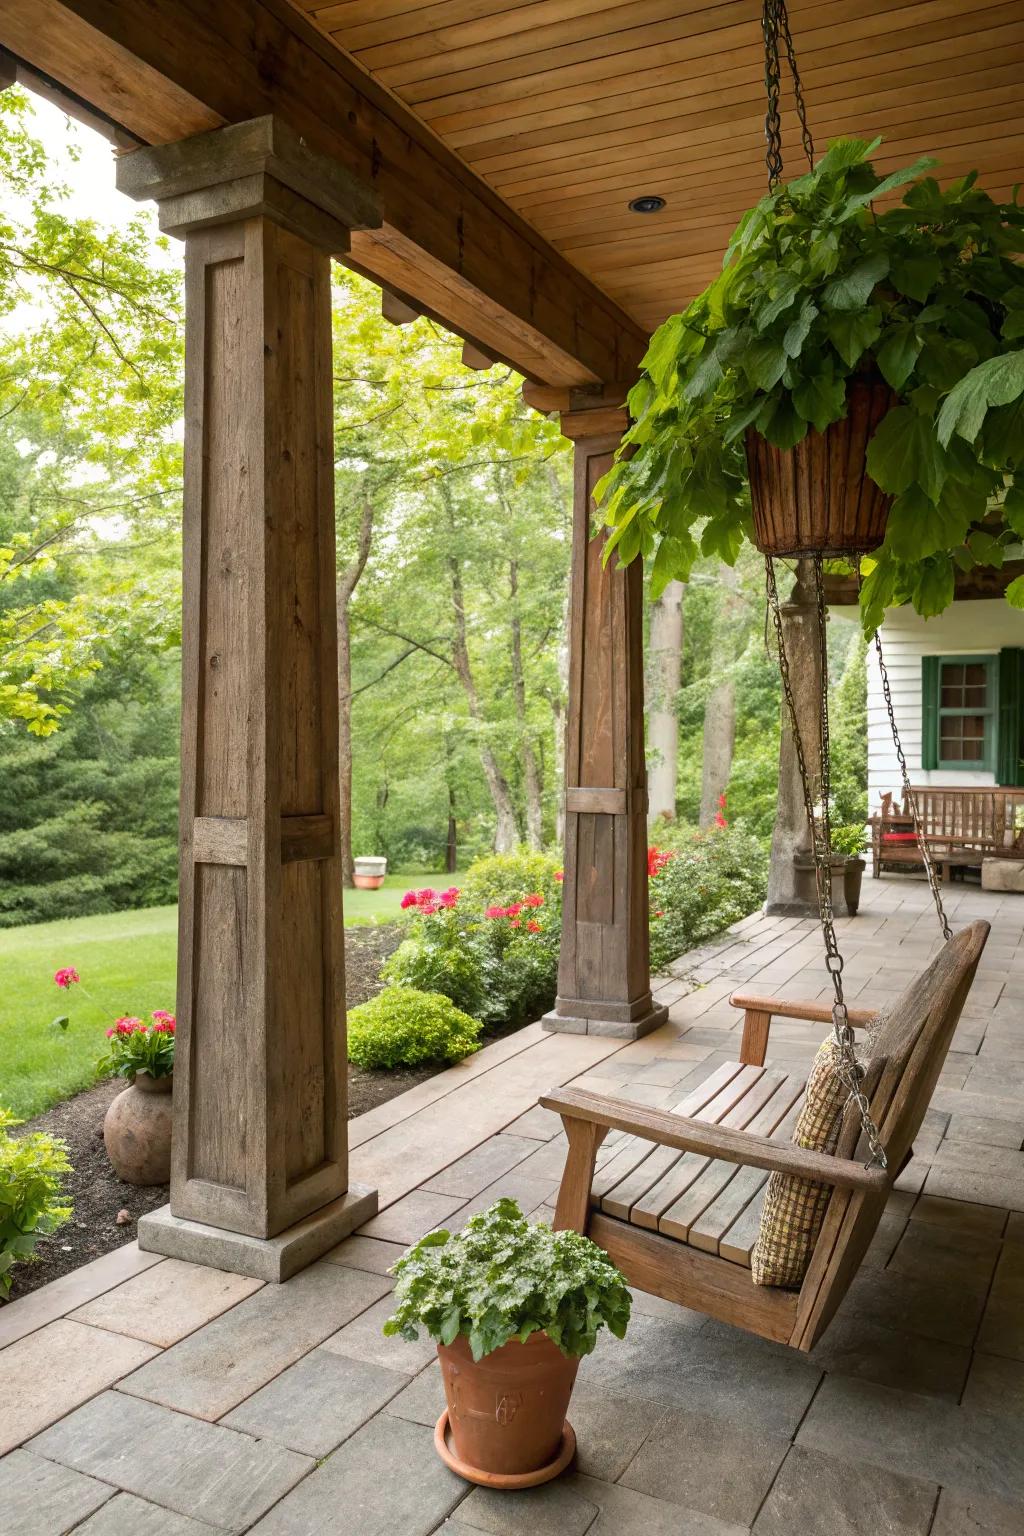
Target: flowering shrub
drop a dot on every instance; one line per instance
(709, 880)
(403, 1027)
(503, 1277)
(138, 1047)
(440, 954)
(505, 878)
(31, 1170)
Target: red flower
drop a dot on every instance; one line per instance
(533, 926)
(657, 858)
(659, 914)
(720, 820)
(129, 1025)
(494, 912)
(408, 900)
(536, 900)
(721, 802)
(450, 896)
(559, 876)
(515, 923)
(514, 910)
(66, 977)
(163, 1022)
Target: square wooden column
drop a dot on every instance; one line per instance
(259, 1179)
(604, 982)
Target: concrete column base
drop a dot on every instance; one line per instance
(262, 1258)
(616, 1029)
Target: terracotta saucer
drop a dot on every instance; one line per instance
(566, 1452)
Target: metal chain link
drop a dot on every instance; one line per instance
(851, 1072)
(775, 23)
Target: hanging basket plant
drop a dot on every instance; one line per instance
(853, 380)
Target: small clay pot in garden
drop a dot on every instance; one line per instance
(369, 873)
(137, 1130)
(506, 1412)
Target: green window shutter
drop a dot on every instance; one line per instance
(1010, 740)
(930, 711)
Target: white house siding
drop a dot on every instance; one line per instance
(978, 627)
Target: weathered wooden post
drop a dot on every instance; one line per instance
(604, 982)
(792, 891)
(259, 1180)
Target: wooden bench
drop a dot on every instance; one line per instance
(961, 827)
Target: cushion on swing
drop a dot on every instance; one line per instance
(899, 837)
(794, 1208)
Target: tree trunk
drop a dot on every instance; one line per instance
(788, 893)
(720, 708)
(665, 653)
(506, 834)
(348, 580)
(531, 768)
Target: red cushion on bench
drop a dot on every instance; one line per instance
(899, 837)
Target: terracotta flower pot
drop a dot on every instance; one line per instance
(819, 496)
(137, 1131)
(506, 1412)
(367, 882)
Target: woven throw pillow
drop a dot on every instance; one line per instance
(794, 1208)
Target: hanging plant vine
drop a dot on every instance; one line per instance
(818, 285)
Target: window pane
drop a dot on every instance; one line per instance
(973, 726)
(973, 751)
(952, 697)
(975, 697)
(975, 673)
(952, 674)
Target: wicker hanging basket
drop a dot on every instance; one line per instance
(818, 497)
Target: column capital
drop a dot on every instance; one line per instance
(246, 170)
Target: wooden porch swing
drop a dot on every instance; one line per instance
(677, 1205)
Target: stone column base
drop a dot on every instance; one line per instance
(262, 1258)
(616, 1029)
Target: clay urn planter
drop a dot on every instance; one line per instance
(505, 1418)
(137, 1130)
(513, 1307)
(369, 873)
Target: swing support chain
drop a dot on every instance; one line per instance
(850, 1070)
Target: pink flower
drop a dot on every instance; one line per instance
(533, 926)
(515, 923)
(66, 977)
(514, 910)
(109, 1033)
(536, 900)
(721, 802)
(129, 1025)
(494, 912)
(408, 900)
(559, 876)
(450, 897)
(426, 897)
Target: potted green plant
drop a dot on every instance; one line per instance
(137, 1126)
(850, 382)
(846, 870)
(513, 1306)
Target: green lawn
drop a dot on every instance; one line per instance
(127, 964)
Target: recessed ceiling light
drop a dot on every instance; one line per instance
(650, 203)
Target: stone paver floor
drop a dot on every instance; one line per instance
(146, 1397)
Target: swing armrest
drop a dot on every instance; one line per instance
(784, 1008)
(719, 1141)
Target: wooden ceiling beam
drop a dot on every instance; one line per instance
(166, 69)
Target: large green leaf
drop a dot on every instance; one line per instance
(780, 423)
(853, 289)
(853, 334)
(1015, 593)
(997, 381)
(932, 589)
(915, 274)
(904, 452)
(898, 354)
(764, 363)
(797, 330)
(821, 400)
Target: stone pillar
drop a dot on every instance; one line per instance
(604, 971)
(259, 1181)
(791, 889)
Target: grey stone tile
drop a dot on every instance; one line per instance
(411, 1217)
(946, 1256)
(707, 1464)
(610, 1431)
(231, 1358)
(126, 1515)
(717, 1371)
(386, 1480)
(966, 1514)
(815, 1492)
(316, 1403)
(960, 1214)
(211, 1474)
(995, 1385)
(481, 1167)
(856, 1346)
(918, 1436)
(554, 1509)
(364, 1340)
(528, 1191)
(366, 1253)
(620, 1512)
(422, 1400)
(929, 1305)
(986, 1130)
(42, 1498)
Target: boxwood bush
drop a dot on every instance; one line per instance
(403, 1027)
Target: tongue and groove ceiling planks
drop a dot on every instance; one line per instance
(570, 108)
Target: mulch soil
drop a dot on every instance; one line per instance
(106, 1209)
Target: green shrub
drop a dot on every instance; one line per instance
(712, 879)
(504, 878)
(402, 1027)
(502, 1278)
(440, 956)
(31, 1170)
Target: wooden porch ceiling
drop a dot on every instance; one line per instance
(570, 108)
